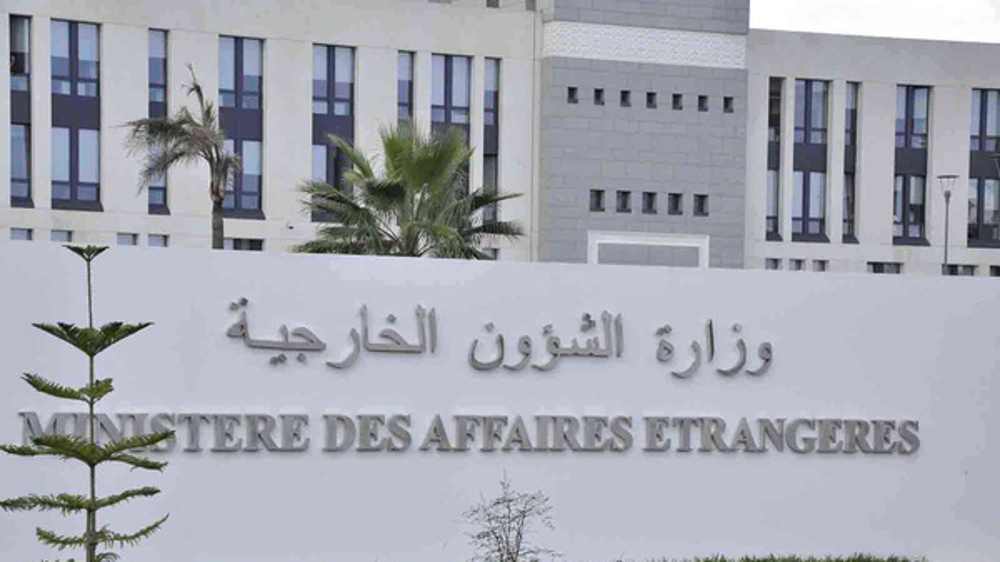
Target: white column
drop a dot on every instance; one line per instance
(375, 97)
(756, 165)
(518, 106)
(876, 163)
(787, 149)
(476, 121)
(422, 91)
(835, 161)
(947, 155)
(41, 112)
(124, 98)
(287, 147)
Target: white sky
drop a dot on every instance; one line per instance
(954, 20)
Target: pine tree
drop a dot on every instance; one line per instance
(87, 450)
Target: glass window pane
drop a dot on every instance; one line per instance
(60, 154)
(800, 104)
(897, 201)
(251, 158)
(20, 34)
(991, 203)
(916, 190)
(492, 75)
(920, 110)
(89, 50)
(19, 151)
(60, 39)
(227, 64)
(975, 114)
(404, 66)
(460, 81)
(320, 72)
(992, 113)
(817, 195)
(86, 192)
(252, 59)
(818, 104)
(343, 65)
(900, 109)
(973, 203)
(90, 156)
(157, 44)
(772, 193)
(437, 79)
(797, 196)
(319, 163)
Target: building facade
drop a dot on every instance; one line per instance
(647, 132)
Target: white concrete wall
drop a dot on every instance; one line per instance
(951, 69)
(376, 28)
(845, 346)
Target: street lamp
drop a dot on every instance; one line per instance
(947, 183)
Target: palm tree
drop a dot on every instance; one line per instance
(187, 138)
(419, 206)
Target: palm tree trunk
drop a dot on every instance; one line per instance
(217, 232)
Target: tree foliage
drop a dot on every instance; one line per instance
(419, 206)
(502, 526)
(186, 138)
(91, 341)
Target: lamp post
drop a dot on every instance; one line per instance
(947, 182)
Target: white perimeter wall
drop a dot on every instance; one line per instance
(845, 346)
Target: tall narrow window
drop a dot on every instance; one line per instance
(809, 203)
(912, 116)
(774, 110)
(984, 212)
(243, 193)
(773, 205)
(850, 201)
(985, 120)
(334, 96)
(404, 85)
(75, 58)
(851, 114)
(810, 111)
(20, 165)
(240, 72)
(908, 207)
(20, 57)
(157, 73)
(450, 91)
(76, 175)
(491, 133)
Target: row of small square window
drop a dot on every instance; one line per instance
(774, 264)
(623, 203)
(878, 267)
(132, 239)
(652, 100)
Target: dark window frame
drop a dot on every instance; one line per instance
(625, 98)
(853, 95)
(885, 267)
(598, 96)
(728, 104)
(330, 97)
(901, 217)
(21, 201)
(772, 222)
(404, 108)
(239, 92)
(74, 79)
(850, 203)
(598, 202)
(802, 226)
(236, 208)
(74, 202)
(702, 104)
(675, 204)
(651, 100)
(775, 91)
(623, 201)
(649, 203)
(677, 102)
(979, 139)
(20, 60)
(804, 132)
(701, 205)
(980, 234)
(572, 95)
(908, 136)
(157, 106)
(449, 109)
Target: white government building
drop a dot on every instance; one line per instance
(654, 132)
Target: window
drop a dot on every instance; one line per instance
(675, 204)
(727, 104)
(338, 93)
(493, 253)
(649, 203)
(159, 240)
(702, 103)
(404, 85)
(820, 265)
(651, 100)
(851, 114)
(127, 239)
(626, 98)
(811, 111)
(244, 192)
(772, 264)
(774, 109)
(809, 204)
(491, 133)
(885, 267)
(773, 219)
(243, 244)
(157, 191)
(492, 3)
(20, 165)
(572, 95)
(75, 59)
(995, 271)
(985, 120)
(908, 207)
(20, 234)
(912, 110)
(20, 53)
(76, 170)
(64, 236)
(597, 200)
(491, 94)
(796, 265)
(240, 72)
(677, 102)
(623, 201)
(598, 96)
(701, 205)
(850, 209)
(450, 84)
(157, 73)
(490, 185)
(984, 211)
(954, 270)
